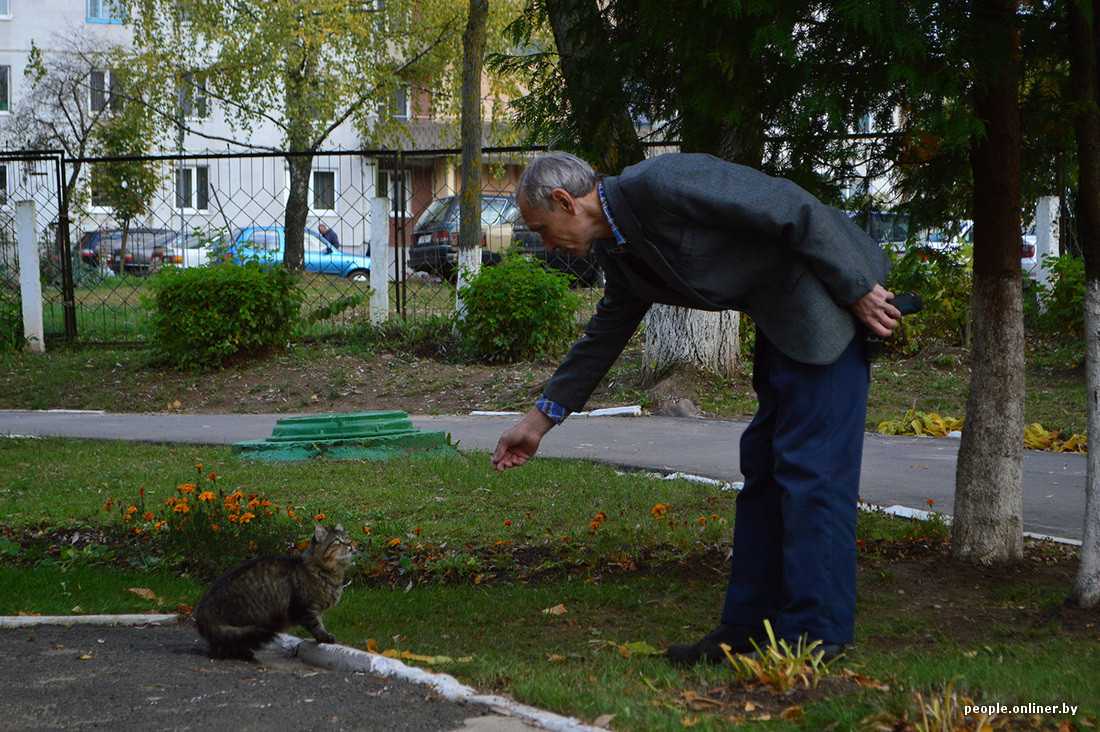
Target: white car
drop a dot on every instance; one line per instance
(188, 250)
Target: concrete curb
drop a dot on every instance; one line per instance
(29, 621)
(343, 658)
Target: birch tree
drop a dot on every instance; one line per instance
(300, 67)
(473, 58)
(1084, 45)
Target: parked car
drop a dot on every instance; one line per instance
(580, 271)
(193, 249)
(267, 244)
(432, 249)
(99, 245)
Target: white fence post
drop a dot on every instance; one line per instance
(30, 277)
(379, 260)
(1046, 235)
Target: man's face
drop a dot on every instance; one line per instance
(562, 228)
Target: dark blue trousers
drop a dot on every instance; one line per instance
(794, 541)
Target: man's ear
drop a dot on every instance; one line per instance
(562, 199)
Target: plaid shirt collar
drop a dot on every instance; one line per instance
(621, 245)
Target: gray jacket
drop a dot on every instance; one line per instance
(712, 235)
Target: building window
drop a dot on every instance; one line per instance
(389, 185)
(3, 184)
(5, 9)
(401, 102)
(104, 90)
(193, 188)
(193, 97)
(105, 11)
(324, 190)
(5, 88)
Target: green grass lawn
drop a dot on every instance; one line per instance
(552, 583)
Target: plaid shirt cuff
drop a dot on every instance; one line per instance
(556, 412)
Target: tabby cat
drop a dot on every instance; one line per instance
(247, 606)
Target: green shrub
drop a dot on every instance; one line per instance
(942, 279)
(11, 324)
(1062, 301)
(517, 311)
(202, 315)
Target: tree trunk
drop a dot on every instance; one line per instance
(122, 247)
(297, 211)
(1085, 74)
(988, 524)
(469, 233)
(602, 116)
(677, 336)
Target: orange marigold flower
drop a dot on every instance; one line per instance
(253, 504)
(171, 501)
(267, 513)
(198, 466)
(181, 508)
(148, 516)
(417, 531)
(319, 517)
(213, 527)
(507, 522)
(141, 491)
(213, 476)
(132, 509)
(931, 502)
(159, 524)
(126, 517)
(246, 517)
(233, 517)
(394, 542)
(702, 520)
(595, 525)
(366, 529)
(108, 505)
(186, 488)
(659, 510)
(601, 516)
(715, 516)
(265, 503)
(207, 496)
(290, 513)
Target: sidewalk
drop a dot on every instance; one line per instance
(897, 471)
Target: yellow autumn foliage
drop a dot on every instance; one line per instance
(930, 424)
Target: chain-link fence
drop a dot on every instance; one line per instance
(202, 209)
(196, 209)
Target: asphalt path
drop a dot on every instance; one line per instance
(897, 471)
(159, 678)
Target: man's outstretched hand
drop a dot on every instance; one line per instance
(520, 442)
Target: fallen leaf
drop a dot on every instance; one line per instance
(603, 720)
(689, 721)
(372, 647)
(556, 657)
(556, 610)
(143, 593)
(639, 649)
(697, 702)
(750, 707)
(792, 714)
(429, 660)
(87, 657)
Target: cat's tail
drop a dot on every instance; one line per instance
(240, 641)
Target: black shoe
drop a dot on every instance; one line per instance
(738, 637)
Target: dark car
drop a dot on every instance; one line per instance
(580, 271)
(101, 246)
(432, 249)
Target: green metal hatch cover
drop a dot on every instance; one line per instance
(351, 436)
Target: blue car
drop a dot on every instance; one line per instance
(267, 244)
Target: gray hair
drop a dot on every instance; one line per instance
(555, 170)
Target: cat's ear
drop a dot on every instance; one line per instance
(319, 532)
(339, 527)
